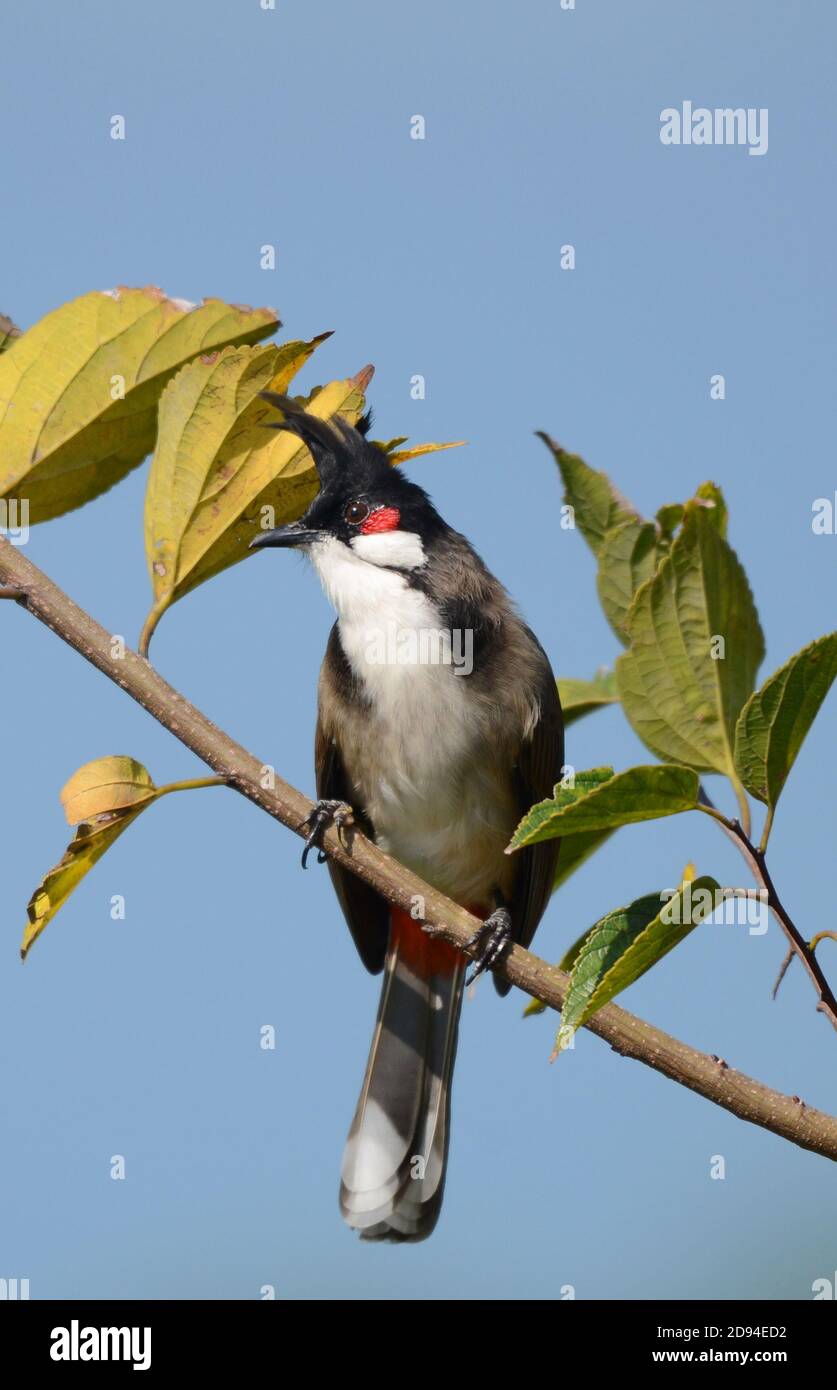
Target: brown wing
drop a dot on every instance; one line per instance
(366, 912)
(538, 769)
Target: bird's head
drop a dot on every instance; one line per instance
(365, 510)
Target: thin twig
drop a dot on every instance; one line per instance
(783, 970)
(756, 861)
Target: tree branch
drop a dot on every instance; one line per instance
(710, 1077)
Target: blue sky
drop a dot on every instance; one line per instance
(438, 257)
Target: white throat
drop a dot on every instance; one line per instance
(362, 588)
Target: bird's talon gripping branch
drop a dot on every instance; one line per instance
(493, 938)
(325, 813)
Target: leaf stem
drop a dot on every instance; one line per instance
(710, 810)
(192, 784)
(768, 826)
(150, 625)
(821, 936)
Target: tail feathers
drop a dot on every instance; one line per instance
(394, 1162)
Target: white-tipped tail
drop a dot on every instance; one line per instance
(394, 1161)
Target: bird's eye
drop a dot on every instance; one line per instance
(356, 512)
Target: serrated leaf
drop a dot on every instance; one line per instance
(8, 333)
(89, 843)
(217, 471)
(106, 784)
(64, 439)
(681, 701)
(604, 800)
(597, 504)
(625, 943)
(775, 720)
(582, 697)
(628, 555)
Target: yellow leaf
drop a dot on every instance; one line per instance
(79, 390)
(217, 472)
(108, 784)
(388, 446)
(404, 455)
(290, 359)
(87, 846)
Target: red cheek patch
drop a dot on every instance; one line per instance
(384, 519)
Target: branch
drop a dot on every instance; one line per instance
(710, 1077)
(757, 863)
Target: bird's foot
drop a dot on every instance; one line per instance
(324, 814)
(493, 939)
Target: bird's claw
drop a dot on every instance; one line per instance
(493, 939)
(325, 813)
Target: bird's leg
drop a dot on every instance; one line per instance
(493, 939)
(325, 813)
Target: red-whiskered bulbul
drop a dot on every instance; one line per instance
(438, 744)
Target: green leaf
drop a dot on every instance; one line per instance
(625, 944)
(603, 800)
(217, 472)
(575, 851)
(8, 333)
(670, 517)
(79, 390)
(772, 725)
(681, 701)
(628, 555)
(582, 697)
(596, 503)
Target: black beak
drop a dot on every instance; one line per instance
(286, 536)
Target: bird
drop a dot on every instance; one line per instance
(438, 726)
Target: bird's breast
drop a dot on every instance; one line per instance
(423, 762)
